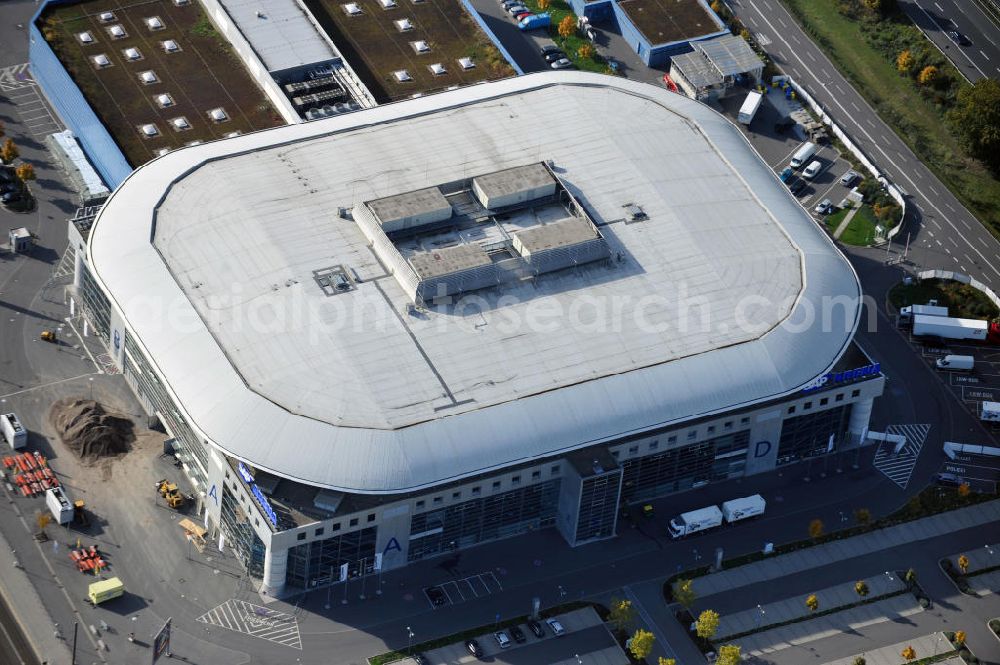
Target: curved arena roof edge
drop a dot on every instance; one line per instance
(217, 403)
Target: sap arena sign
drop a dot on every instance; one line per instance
(833, 378)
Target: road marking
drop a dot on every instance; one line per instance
(980, 239)
(15, 77)
(930, 233)
(940, 8)
(856, 107)
(936, 193)
(938, 242)
(782, 22)
(46, 385)
(899, 467)
(947, 251)
(256, 621)
(952, 241)
(811, 56)
(984, 56)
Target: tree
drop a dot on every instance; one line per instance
(641, 644)
(861, 588)
(862, 516)
(24, 173)
(544, 4)
(707, 624)
(586, 51)
(665, 661)
(622, 614)
(567, 26)
(963, 563)
(880, 8)
(908, 654)
(928, 75)
(964, 490)
(745, 34)
(729, 654)
(910, 577)
(812, 602)
(976, 120)
(684, 593)
(859, 660)
(3, 130)
(904, 61)
(816, 529)
(9, 151)
(959, 637)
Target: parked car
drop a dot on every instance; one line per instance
(557, 628)
(11, 198)
(553, 56)
(507, 4)
(849, 178)
(514, 10)
(550, 48)
(474, 648)
(786, 174)
(948, 479)
(536, 628)
(420, 659)
(523, 15)
(517, 634)
(824, 207)
(502, 639)
(797, 186)
(958, 38)
(812, 170)
(436, 595)
(561, 63)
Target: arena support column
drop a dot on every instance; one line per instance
(275, 569)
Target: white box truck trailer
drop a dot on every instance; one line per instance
(59, 504)
(907, 313)
(990, 412)
(750, 107)
(695, 521)
(950, 328)
(13, 432)
(956, 363)
(735, 510)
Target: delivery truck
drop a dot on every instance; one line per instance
(695, 521)
(13, 433)
(735, 510)
(59, 505)
(949, 327)
(930, 309)
(990, 412)
(956, 363)
(750, 107)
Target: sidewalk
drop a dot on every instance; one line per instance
(987, 556)
(843, 224)
(27, 609)
(926, 645)
(848, 548)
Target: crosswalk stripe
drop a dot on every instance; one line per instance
(899, 467)
(243, 617)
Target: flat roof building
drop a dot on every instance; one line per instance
(636, 306)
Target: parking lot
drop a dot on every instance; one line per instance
(458, 591)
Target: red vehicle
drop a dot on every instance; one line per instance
(523, 15)
(669, 82)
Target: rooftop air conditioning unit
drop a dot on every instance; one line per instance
(170, 46)
(421, 46)
(106, 17)
(160, 152)
(150, 130)
(164, 100)
(437, 69)
(117, 31)
(218, 115)
(402, 76)
(180, 123)
(148, 76)
(466, 63)
(132, 53)
(387, 4)
(193, 143)
(85, 37)
(231, 135)
(154, 23)
(352, 9)
(404, 25)
(181, 3)
(101, 60)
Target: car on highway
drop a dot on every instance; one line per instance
(824, 207)
(517, 634)
(436, 594)
(849, 178)
(561, 63)
(536, 628)
(474, 648)
(557, 628)
(958, 38)
(553, 56)
(503, 640)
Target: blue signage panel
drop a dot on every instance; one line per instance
(832, 378)
(244, 473)
(262, 501)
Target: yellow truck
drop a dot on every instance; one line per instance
(105, 590)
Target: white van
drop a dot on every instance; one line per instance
(812, 170)
(803, 154)
(965, 363)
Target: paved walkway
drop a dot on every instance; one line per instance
(845, 621)
(926, 645)
(985, 584)
(844, 222)
(838, 550)
(794, 607)
(987, 556)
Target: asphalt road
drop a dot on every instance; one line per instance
(979, 20)
(950, 236)
(554, 650)
(520, 45)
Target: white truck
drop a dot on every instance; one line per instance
(735, 510)
(956, 363)
(949, 327)
(59, 505)
(930, 309)
(750, 107)
(990, 412)
(15, 435)
(695, 521)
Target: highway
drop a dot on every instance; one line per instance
(979, 20)
(943, 234)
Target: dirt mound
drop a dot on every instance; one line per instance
(90, 431)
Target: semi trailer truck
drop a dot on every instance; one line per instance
(13, 432)
(947, 327)
(710, 517)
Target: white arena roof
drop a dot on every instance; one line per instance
(361, 392)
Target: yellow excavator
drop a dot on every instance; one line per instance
(170, 493)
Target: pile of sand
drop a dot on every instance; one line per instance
(90, 431)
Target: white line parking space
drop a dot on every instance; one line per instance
(463, 589)
(34, 110)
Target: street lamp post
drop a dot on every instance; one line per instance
(409, 640)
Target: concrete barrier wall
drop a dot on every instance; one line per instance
(489, 33)
(893, 191)
(224, 24)
(72, 108)
(964, 279)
